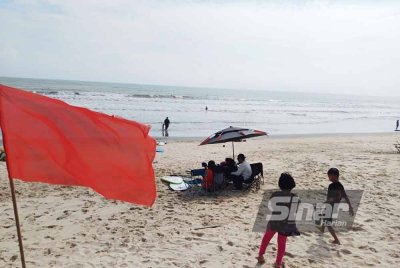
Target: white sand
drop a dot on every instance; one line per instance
(76, 227)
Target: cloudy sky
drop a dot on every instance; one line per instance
(314, 46)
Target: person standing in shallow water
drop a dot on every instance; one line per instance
(397, 125)
(166, 123)
(165, 127)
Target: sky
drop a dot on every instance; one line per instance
(343, 47)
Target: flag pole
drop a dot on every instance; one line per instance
(14, 200)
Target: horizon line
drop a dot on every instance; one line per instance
(201, 87)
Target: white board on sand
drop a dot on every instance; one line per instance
(179, 187)
(172, 179)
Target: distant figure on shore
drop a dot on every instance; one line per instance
(166, 123)
(165, 127)
(397, 125)
(207, 110)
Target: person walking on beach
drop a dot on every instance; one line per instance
(285, 227)
(397, 125)
(335, 194)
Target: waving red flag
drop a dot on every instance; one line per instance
(47, 140)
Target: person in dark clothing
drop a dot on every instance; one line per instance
(335, 194)
(165, 127)
(397, 125)
(229, 165)
(166, 124)
(285, 227)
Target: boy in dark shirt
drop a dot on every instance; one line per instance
(335, 194)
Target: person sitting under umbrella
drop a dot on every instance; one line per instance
(208, 180)
(243, 173)
(228, 166)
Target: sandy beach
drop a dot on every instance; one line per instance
(76, 227)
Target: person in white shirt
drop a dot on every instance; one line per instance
(243, 174)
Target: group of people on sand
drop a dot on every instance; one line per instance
(217, 176)
(286, 228)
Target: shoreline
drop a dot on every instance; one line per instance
(285, 136)
(277, 137)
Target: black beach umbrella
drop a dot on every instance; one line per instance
(232, 134)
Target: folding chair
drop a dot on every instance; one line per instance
(257, 177)
(197, 173)
(219, 181)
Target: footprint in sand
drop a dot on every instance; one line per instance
(311, 261)
(290, 255)
(394, 255)
(345, 251)
(373, 249)
(357, 228)
(160, 234)
(198, 234)
(202, 261)
(52, 226)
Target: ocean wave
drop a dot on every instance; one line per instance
(56, 92)
(297, 114)
(160, 96)
(46, 92)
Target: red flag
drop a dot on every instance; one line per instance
(47, 140)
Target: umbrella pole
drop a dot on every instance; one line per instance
(233, 150)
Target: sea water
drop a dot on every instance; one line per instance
(273, 111)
